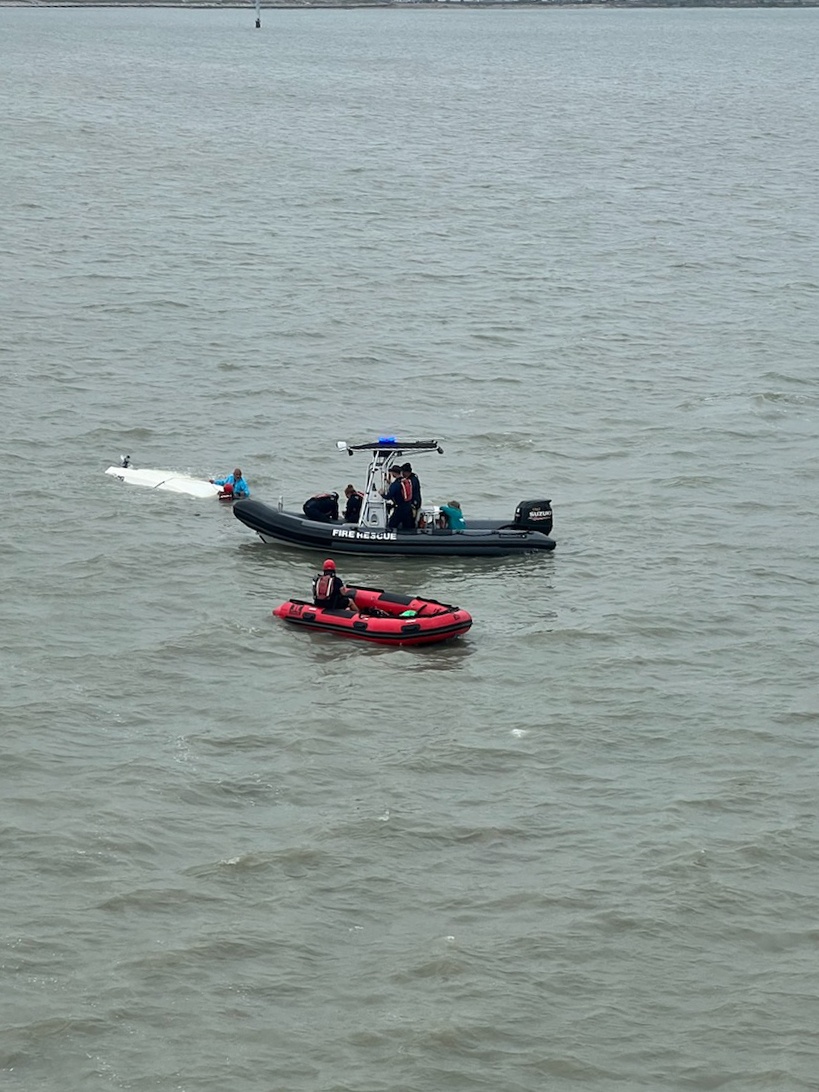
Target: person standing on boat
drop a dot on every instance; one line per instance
(355, 499)
(329, 591)
(406, 471)
(239, 486)
(399, 495)
(394, 476)
(322, 507)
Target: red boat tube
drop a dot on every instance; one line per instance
(382, 617)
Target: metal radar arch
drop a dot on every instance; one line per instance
(383, 453)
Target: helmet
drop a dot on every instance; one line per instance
(329, 564)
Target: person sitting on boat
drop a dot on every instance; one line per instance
(329, 591)
(354, 501)
(399, 495)
(239, 486)
(322, 507)
(453, 517)
(407, 472)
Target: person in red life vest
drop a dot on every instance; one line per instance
(329, 591)
(399, 495)
(406, 471)
(354, 501)
(322, 507)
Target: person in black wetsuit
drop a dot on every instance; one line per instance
(399, 495)
(406, 471)
(328, 588)
(352, 511)
(322, 507)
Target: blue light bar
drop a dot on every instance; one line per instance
(386, 439)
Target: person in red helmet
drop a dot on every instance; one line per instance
(329, 591)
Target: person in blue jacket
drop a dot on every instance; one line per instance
(454, 516)
(236, 481)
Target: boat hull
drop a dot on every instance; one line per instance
(380, 617)
(482, 538)
(165, 480)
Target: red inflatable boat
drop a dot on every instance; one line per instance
(383, 617)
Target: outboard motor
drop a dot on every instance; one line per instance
(534, 515)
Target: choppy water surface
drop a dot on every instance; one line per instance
(578, 848)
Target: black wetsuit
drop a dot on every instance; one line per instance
(416, 495)
(327, 592)
(353, 509)
(323, 507)
(401, 518)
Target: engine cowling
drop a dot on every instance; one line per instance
(534, 515)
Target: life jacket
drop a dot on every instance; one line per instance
(324, 587)
(406, 489)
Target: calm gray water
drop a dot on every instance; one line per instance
(577, 849)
